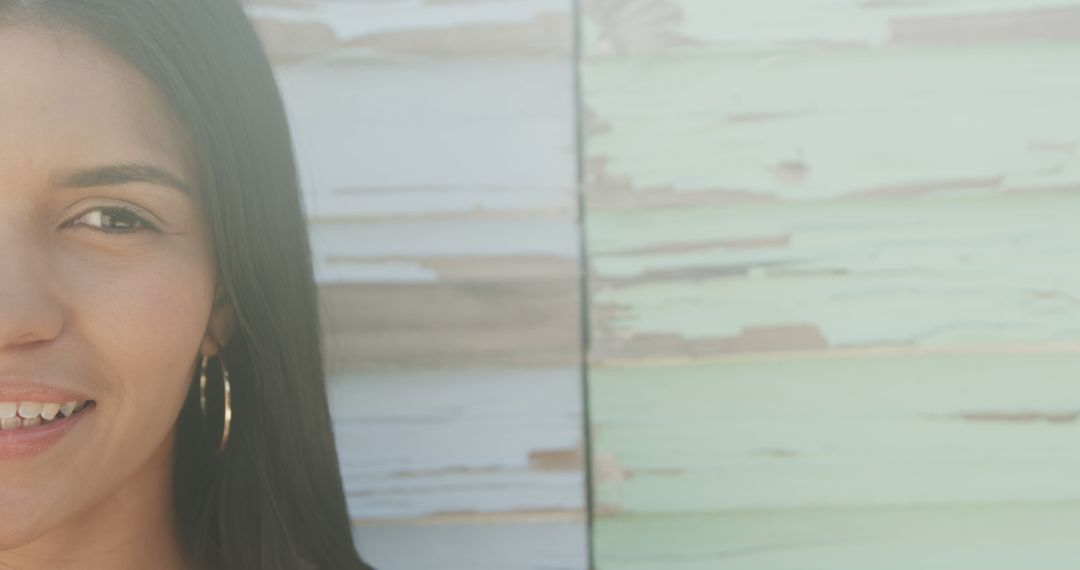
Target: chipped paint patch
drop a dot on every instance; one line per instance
(1020, 417)
(1057, 24)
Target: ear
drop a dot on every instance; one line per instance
(220, 327)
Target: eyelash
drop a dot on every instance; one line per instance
(118, 211)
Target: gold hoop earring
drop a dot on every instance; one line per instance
(202, 385)
(228, 405)
(228, 398)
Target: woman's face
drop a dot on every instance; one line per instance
(107, 282)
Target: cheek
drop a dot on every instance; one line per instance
(141, 319)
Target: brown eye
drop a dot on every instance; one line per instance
(114, 220)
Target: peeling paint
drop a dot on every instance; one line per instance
(816, 229)
(1059, 24)
(1022, 417)
(754, 339)
(627, 27)
(557, 460)
(366, 30)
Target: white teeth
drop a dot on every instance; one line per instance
(48, 411)
(29, 409)
(16, 414)
(69, 408)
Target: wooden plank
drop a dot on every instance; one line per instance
(374, 145)
(616, 28)
(394, 326)
(533, 546)
(462, 442)
(443, 247)
(901, 121)
(802, 431)
(369, 29)
(996, 536)
(686, 282)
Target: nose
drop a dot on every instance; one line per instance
(29, 312)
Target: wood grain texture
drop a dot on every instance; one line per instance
(478, 546)
(832, 282)
(916, 272)
(432, 444)
(497, 142)
(993, 536)
(395, 326)
(469, 259)
(812, 126)
(837, 431)
(294, 30)
(617, 28)
(438, 160)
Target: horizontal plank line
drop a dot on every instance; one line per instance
(474, 214)
(522, 517)
(1031, 348)
(940, 506)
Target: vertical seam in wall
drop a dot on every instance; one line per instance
(583, 272)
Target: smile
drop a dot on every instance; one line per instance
(17, 415)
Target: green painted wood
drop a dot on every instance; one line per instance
(832, 255)
(905, 120)
(988, 537)
(861, 429)
(934, 271)
(617, 28)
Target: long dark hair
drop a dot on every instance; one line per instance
(274, 499)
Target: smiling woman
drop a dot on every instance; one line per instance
(162, 399)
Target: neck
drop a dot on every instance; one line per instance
(131, 529)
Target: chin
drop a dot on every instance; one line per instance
(34, 511)
(19, 531)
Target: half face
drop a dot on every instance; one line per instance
(106, 278)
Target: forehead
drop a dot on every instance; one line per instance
(66, 101)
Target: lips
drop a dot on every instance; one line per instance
(20, 389)
(34, 415)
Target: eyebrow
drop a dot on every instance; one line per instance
(123, 173)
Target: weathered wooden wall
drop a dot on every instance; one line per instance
(832, 283)
(438, 156)
(831, 309)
